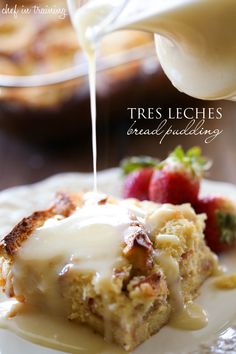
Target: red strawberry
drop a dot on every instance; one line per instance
(177, 180)
(220, 231)
(139, 172)
(137, 183)
(173, 187)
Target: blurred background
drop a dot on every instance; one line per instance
(46, 129)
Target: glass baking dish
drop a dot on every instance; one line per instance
(58, 103)
(44, 99)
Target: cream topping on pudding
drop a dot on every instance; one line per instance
(90, 240)
(189, 316)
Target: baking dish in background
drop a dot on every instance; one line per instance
(43, 77)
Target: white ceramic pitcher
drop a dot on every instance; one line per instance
(195, 39)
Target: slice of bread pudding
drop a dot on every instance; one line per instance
(120, 266)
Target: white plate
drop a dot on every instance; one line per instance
(220, 334)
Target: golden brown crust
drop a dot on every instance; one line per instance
(139, 249)
(103, 201)
(63, 205)
(22, 231)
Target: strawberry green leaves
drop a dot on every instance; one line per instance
(191, 160)
(227, 226)
(135, 163)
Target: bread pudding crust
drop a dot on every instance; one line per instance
(63, 205)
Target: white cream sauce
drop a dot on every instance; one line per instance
(54, 332)
(188, 316)
(92, 84)
(89, 241)
(191, 318)
(170, 267)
